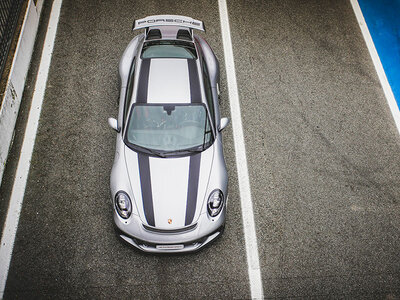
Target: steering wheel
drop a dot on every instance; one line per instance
(189, 123)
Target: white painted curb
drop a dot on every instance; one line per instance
(16, 80)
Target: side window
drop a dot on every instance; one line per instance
(129, 89)
(208, 91)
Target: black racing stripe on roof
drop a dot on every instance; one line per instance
(195, 94)
(145, 184)
(143, 86)
(194, 172)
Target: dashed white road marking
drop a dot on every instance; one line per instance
(241, 161)
(18, 191)
(377, 63)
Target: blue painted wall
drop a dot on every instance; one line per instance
(383, 21)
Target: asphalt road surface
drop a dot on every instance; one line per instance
(322, 150)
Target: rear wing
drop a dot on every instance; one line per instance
(168, 20)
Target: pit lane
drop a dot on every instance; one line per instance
(322, 151)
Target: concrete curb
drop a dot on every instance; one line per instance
(16, 80)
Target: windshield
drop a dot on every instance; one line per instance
(168, 128)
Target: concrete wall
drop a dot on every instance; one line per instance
(16, 80)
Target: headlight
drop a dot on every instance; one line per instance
(123, 205)
(215, 203)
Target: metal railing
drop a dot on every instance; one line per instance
(9, 14)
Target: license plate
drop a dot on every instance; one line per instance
(169, 247)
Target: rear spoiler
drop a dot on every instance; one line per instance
(168, 20)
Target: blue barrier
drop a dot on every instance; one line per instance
(383, 21)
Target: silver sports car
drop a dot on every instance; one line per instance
(169, 184)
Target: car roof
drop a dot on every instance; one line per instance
(168, 80)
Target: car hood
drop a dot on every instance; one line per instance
(169, 192)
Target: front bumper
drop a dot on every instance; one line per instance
(171, 248)
(206, 230)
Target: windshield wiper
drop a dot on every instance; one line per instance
(197, 149)
(148, 150)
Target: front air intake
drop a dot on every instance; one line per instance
(170, 231)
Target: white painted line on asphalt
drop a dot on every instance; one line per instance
(241, 161)
(18, 191)
(377, 63)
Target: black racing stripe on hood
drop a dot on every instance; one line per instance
(143, 85)
(145, 184)
(195, 95)
(194, 172)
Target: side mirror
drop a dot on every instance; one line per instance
(223, 123)
(113, 123)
